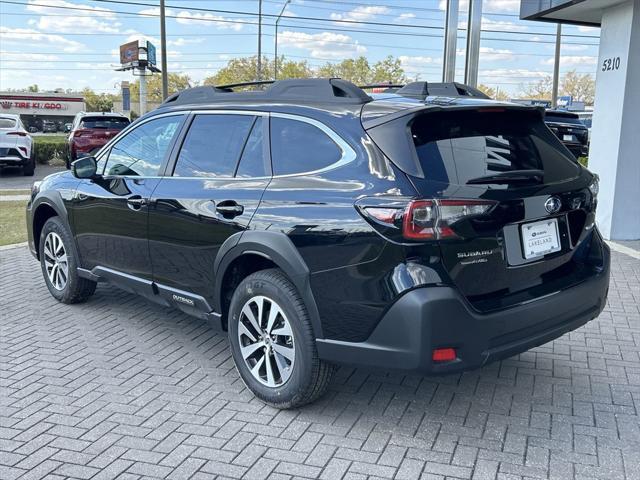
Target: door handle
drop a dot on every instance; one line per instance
(229, 209)
(136, 202)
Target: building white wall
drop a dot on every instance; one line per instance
(615, 143)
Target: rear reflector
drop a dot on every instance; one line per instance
(444, 354)
(17, 134)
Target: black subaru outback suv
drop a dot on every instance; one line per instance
(316, 225)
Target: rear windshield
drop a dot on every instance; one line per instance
(559, 118)
(114, 123)
(7, 123)
(455, 147)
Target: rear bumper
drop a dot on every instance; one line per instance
(13, 160)
(438, 317)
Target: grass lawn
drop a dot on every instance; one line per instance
(14, 192)
(13, 227)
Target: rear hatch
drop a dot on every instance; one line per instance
(567, 126)
(7, 142)
(509, 207)
(100, 129)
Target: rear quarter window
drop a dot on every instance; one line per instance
(298, 147)
(455, 147)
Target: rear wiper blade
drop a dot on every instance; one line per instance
(511, 176)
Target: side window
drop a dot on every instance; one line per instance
(213, 145)
(298, 146)
(254, 162)
(141, 151)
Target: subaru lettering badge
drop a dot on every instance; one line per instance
(553, 204)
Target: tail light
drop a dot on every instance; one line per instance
(432, 219)
(421, 220)
(17, 134)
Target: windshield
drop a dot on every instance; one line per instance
(7, 123)
(113, 123)
(455, 147)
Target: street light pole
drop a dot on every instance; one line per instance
(163, 46)
(275, 67)
(259, 40)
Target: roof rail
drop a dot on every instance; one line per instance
(422, 90)
(381, 85)
(331, 90)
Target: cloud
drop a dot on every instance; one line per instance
(181, 42)
(360, 14)
(27, 57)
(418, 65)
(186, 17)
(488, 6)
(509, 74)
(572, 60)
(25, 35)
(572, 48)
(493, 54)
(94, 19)
(322, 45)
(502, 25)
(585, 29)
(405, 17)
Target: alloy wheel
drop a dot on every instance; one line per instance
(55, 261)
(266, 341)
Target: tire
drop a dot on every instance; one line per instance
(74, 289)
(305, 377)
(30, 167)
(70, 159)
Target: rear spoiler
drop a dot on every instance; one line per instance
(447, 107)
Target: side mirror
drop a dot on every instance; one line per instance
(85, 167)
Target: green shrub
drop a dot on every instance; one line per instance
(50, 148)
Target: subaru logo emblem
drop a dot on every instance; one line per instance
(552, 205)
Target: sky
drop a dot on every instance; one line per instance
(72, 44)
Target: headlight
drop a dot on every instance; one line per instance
(35, 188)
(594, 188)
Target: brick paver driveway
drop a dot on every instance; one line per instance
(118, 387)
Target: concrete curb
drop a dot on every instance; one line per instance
(622, 249)
(13, 245)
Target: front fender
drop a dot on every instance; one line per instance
(278, 248)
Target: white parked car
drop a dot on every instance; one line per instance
(16, 145)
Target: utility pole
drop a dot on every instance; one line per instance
(163, 46)
(259, 40)
(450, 39)
(143, 93)
(275, 73)
(556, 67)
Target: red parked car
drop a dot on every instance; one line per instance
(91, 130)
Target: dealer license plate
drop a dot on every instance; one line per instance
(540, 238)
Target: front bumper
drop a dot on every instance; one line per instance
(439, 317)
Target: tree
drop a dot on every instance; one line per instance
(355, 70)
(177, 82)
(495, 93)
(291, 69)
(581, 87)
(239, 70)
(33, 88)
(388, 70)
(541, 90)
(97, 103)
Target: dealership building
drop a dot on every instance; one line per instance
(35, 108)
(615, 142)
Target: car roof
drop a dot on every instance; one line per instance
(12, 116)
(103, 114)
